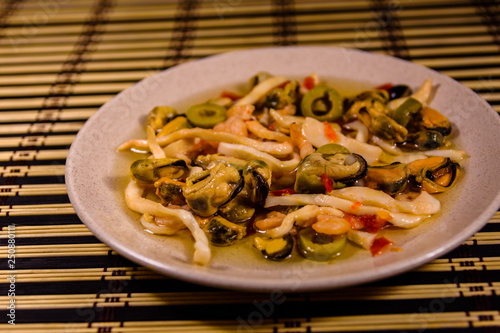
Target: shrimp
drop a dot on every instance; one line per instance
(233, 125)
(331, 224)
(272, 220)
(300, 141)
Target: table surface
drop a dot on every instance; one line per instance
(61, 60)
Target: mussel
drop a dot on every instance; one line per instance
(257, 176)
(275, 249)
(238, 210)
(160, 116)
(423, 140)
(210, 160)
(170, 191)
(280, 97)
(434, 174)
(398, 91)
(391, 179)
(206, 191)
(431, 119)
(221, 232)
(147, 171)
(339, 168)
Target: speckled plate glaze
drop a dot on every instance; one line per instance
(96, 174)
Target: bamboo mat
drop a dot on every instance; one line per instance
(61, 60)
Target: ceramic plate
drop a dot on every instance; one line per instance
(96, 174)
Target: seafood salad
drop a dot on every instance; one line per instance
(295, 166)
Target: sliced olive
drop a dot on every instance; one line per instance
(160, 116)
(322, 103)
(221, 232)
(341, 168)
(238, 210)
(206, 191)
(332, 148)
(320, 247)
(424, 140)
(206, 115)
(398, 91)
(391, 179)
(404, 113)
(275, 248)
(170, 191)
(150, 170)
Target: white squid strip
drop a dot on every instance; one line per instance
(273, 148)
(285, 120)
(455, 155)
(388, 147)
(362, 238)
(247, 153)
(300, 216)
(262, 132)
(135, 201)
(260, 90)
(362, 134)
(423, 204)
(154, 147)
(398, 219)
(314, 131)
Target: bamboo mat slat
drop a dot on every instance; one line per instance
(61, 60)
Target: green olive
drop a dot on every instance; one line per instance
(320, 247)
(332, 148)
(322, 103)
(206, 115)
(404, 113)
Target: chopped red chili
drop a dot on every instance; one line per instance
(327, 182)
(280, 193)
(371, 223)
(330, 133)
(309, 83)
(379, 245)
(386, 86)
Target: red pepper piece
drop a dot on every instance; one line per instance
(280, 193)
(330, 133)
(386, 86)
(308, 83)
(379, 245)
(371, 223)
(327, 182)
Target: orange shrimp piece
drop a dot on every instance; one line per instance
(299, 140)
(272, 220)
(331, 225)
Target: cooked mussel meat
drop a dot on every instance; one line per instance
(275, 248)
(258, 78)
(320, 247)
(160, 116)
(280, 97)
(170, 191)
(147, 171)
(210, 160)
(206, 191)
(257, 176)
(221, 232)
(391, 179)
(431, 119)
(238, 210)
(423, 140)
(434, 174)
(340, 168)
